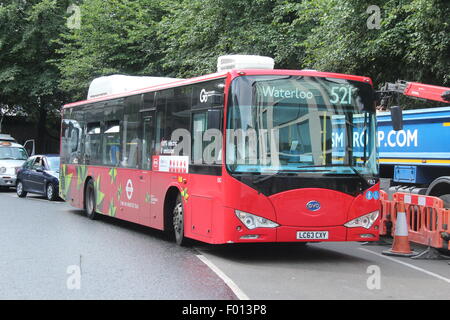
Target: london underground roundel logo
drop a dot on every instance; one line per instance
(129, 189)
(313, 205)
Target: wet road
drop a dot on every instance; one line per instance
(44, 245)
(329, 271)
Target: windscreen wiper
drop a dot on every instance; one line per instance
(365, 138)
(358, 173)
(339, 165)
(262, 178)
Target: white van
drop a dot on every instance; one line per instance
(12, 157)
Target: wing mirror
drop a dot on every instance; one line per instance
(396, 117)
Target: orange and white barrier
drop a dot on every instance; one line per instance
(387, 207)
(427, 221)
(423, 214)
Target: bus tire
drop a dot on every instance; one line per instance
(89, 200)
(178, 222)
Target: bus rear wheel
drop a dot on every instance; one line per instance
(89, 200)
(178, 222)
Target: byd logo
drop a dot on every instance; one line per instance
(313, 205)
(129, 189)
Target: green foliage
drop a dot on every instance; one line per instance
(41, 59)
(413, 42)
(28, 80)
(197, 32)
(26, 32)
(116, 36)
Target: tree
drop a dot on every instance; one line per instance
(27, 77)
(115, 36)
(412, 42)
(197, 32)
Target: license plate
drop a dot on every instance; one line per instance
(312, 235)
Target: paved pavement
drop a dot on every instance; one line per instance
(46, 245)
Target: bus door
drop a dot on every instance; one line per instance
(147, 126)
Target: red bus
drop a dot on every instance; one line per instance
(242, 155)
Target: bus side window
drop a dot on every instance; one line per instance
(72, 136)
(131, 142)
(147, 115)
(111, 140)
(207, 137)
(178, 120)
(93, 143)
(199, 125)
(161, 99)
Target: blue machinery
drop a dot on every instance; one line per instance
(417, 158)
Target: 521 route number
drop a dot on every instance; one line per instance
(341, 95)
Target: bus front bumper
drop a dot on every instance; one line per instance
(238, 233)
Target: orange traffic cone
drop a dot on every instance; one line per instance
(400, 246)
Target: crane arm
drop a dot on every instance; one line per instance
(416, 90)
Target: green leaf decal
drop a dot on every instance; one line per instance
(119, 192)
(99, 195)
(112, 209)
(113, 175)
(81, 176)
(185, 194)
(65, 182)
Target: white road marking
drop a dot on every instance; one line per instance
(409, 265)
(230, 283)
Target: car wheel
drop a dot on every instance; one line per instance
(51, 192)
(19, 190)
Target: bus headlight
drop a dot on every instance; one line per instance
(252, 221)
(365, 221)
(2, 170)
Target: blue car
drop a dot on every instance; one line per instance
(40, 175)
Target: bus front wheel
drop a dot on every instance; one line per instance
(178, 221)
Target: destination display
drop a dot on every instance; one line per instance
(335, 94)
